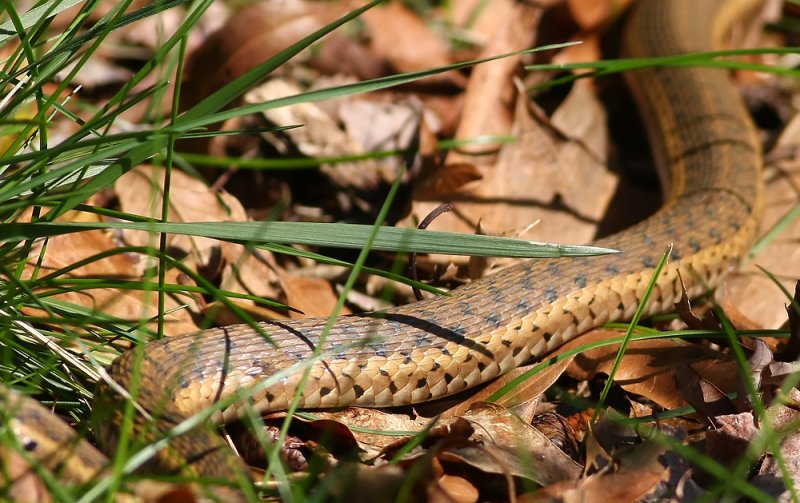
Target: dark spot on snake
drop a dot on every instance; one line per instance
(550, 294)
(523, 306)
(436, 366)
(481, 366)
(553, 268)
(714, 233)
(183, 383)
(516, 351)
(460, 331)
(392, 387)
(407, 360)
(421, 340)
(547, 336)
(358, 390)
(465, 308)
(422, 383)
(612, 269)
(493, 320)
(505, 343)
(469, 357)
(648, 262)
(621, 306)
(648, 240)
(270, 397)
(448, 378)
(325, 391)
(580, 280)
(527, 283)
(445, 351)
(383, 373)
(735, 225)
(340, 356)
(30, 445)
(676, 255)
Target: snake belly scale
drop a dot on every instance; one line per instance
(709, 157)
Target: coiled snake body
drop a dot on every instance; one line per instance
(706, 147)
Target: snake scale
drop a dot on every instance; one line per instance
(709, 159)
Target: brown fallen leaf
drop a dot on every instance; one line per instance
(140, 191)
(251, 36)
(134, 305)
(311, 296)
(513, 447)
(648, 366)
(458, 489)
(321, 135)
(406, 42)
(533, 178)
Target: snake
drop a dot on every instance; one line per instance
(708, 156)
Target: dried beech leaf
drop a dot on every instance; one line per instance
(140, 191)
(729, 440)
(399, 36)
(252, 35)
(533, 177)
(320, 136)
(361, 420)
(703, 396)
(648, 366)
(313, 297)
(458, 489)
(68, 249)
(514, 447)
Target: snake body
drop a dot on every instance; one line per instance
(709, 156)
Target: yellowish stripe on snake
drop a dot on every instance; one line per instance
(709, 155)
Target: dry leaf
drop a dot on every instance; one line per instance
(69, 249)
(405, 41)
(538, 171)
(648, 366)
(313, 297)
(140, 191)
(513, 447)
(320, 136)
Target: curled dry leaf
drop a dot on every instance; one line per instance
(320, 136)
(366, 426)
(648, 366)
(507, 445)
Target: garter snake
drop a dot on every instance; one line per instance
(709, 158)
